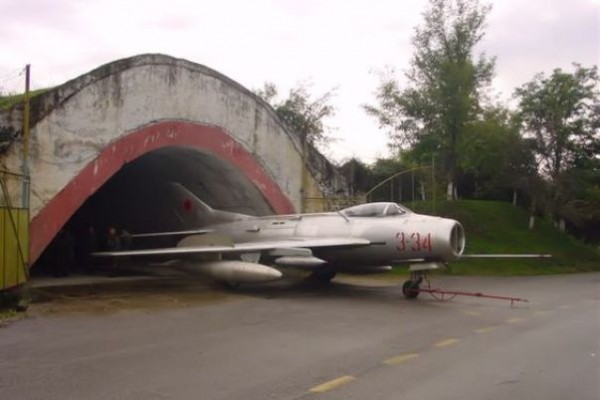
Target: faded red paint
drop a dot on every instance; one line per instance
(187, 205)
(57, 212)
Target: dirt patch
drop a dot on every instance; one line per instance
(104, 297)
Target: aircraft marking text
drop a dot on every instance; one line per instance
(415, 241)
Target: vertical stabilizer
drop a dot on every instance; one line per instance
(193, 212)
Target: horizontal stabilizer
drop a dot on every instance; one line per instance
(506, 256)
(175, 233)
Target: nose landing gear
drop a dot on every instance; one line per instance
(411, 288)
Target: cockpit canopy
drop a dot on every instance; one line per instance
(376, 210)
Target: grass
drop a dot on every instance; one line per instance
(7, 314)
(14, 99)
(495, 227)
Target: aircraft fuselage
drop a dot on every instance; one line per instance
(393, 239)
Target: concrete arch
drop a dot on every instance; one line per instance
(84, 131)
(130, 147)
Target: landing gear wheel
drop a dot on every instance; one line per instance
(322, 277)
(410, 289)
(227, 285)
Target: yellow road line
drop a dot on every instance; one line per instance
(472, 313)
(332, 384)
(514, 320)
(446, 342)
(485, 329)
(401, 359)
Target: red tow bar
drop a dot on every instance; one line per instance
(440, 294)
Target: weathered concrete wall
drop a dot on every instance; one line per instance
(82, 134)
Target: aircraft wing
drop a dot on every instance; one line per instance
(248, 247)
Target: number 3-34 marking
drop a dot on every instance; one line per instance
(419, 242)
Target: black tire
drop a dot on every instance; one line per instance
(227, 285)
(410, 289)
(322, 276)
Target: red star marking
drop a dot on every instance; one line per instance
(187, 205)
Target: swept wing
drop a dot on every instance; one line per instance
(238, 248)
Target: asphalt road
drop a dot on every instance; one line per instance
(358, 339)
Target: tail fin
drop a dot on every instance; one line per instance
(193, 212)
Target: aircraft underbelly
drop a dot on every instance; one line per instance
(362, 256)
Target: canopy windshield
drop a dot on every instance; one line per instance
(375, 210)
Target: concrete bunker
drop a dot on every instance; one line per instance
(124, 186)
(172, 116)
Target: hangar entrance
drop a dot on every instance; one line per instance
(133, 199)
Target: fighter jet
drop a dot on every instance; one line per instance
(238, 248)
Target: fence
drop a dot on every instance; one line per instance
(14, 230)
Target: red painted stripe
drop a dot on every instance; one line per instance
(57, 211)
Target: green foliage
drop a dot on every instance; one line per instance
(563, 113)
(495, 159)
(398, 189)
(446, 83)
(358, 175)
(302, 114)
(495, 227)
(8, 101)
(577, 199)
(17, 298)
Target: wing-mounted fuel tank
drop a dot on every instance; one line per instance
(233, 271)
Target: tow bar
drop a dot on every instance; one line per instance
(444, 295)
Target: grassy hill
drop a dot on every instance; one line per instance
(8, 101)
(494, 227)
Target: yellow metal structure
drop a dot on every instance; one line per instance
(14, 236)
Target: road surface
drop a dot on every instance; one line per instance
(357, 339)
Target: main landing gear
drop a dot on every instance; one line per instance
(411, 288)
(322, 276)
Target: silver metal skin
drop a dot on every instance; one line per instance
(366, 238)
(233, 271)
(392, 239)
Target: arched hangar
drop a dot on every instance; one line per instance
(102, 147)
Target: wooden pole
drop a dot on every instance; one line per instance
(26, 123)
(433, 182)
(304, 183)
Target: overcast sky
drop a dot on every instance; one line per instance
(331, 43)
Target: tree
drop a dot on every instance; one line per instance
(445, 84)
(301, 113)
(399, 188)
(562, 114)
(496, 159)
(358, 175)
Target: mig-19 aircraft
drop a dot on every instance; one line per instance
(367, 238)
